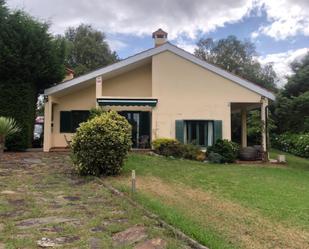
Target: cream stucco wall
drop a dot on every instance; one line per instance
(134, 83)
(188, 91)
(83, 99)
(184, 91)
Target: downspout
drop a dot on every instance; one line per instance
(266, 129)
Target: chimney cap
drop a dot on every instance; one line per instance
(159, 32)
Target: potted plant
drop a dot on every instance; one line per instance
(8, 127)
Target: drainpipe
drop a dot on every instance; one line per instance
(266, 128)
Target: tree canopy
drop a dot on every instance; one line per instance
(31, 59)
(291, 108)
(238, 57)
(87, 49)
(298, 82)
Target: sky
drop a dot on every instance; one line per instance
(278, 28)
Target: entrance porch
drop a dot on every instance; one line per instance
(240, 124)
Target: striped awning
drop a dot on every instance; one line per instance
(126, 102)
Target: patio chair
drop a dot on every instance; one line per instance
(67, 141)
(144, 141)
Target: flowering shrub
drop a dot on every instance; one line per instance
(297, 144)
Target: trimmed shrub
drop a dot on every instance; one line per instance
(193, 152)
(297, 144)
(172, 147)
(215, 157)
(101, 144)
(96, 111)
(168, 147)
(18, 100)
(227, 149)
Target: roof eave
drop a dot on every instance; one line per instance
(154, 51)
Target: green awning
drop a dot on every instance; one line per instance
(126, 102)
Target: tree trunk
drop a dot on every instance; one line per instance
(2, 144)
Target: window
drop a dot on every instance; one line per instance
(199, 132)
(70, 120)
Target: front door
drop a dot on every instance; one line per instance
(140, 122)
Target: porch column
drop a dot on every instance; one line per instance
(47, 124)
(243, 127)
(98, 89)
(264, 104)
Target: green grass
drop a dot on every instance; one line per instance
(280, 193)
(275, 194)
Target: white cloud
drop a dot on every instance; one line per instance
(116, 45)
(139, 17)
(281, 62)
(287, 18)
(186, 45)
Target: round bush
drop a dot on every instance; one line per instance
(227, 149)
(101, 144)
(168, 147)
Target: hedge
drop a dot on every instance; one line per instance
(296, 144)
(18, 100)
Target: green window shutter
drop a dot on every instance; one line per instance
(65, 121)
(179, 131)
(217, 130)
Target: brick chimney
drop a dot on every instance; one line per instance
(160, 37)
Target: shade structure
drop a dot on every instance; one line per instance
(126, 102)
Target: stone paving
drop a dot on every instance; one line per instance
(43, 204)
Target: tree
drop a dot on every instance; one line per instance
(237, 57)
(298, 83)
(292, 113)
(87, 49)
(30, 60)
(291, 108)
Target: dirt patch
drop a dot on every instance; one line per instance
(95, 243)
(239, 224)
(8, 192)
(72, 198)
(151, 244)
(46, 242)
(35, 222)
(129, 236)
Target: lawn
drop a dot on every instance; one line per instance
(41, 197)
(226, 206)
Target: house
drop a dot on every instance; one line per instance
(163, 92)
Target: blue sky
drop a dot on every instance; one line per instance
(278, 28)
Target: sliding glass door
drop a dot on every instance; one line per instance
(141, 126)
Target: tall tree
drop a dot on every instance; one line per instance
(87, 49)
(238, 57)
(30, 60)
(291, 108)
(298, 83)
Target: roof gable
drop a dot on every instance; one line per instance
(148, 54)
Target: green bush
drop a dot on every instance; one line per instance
(97, 111)
(101, 144)
(215, 157)
(193, 152)
(297, 144)
(168, 147)
(227, 149)
(172, 147)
